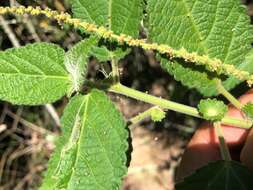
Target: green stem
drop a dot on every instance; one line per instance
(143, 115)
(222, 143)
(115, 70)
(166, 104)
(227, 95)
(162, 103)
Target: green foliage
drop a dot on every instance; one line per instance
(91, 153)
(76, 62)
(120, 53)
(120, 16)
(34, 74)
(215, 28)
(212, 109)
(248, 110)
(103, 54)
(245, 66)
(219, 175)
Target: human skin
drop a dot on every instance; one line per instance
(204, 145)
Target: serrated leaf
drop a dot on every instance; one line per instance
(120, 53)
(120, 16)
(248, 110)
(220, 175)
(216, 28)
(103, 54)
(76, 62)
(91, 153)
(33, 74)
(245, 66)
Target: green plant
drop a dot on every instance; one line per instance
(212, 48)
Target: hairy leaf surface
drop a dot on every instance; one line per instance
(103, 54)
(33, 74)
(91, 153)
(121, 16)
(76, 61)
(216, 28)
(246, 66)
(219, 175)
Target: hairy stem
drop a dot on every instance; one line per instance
(222, 143)
(165, 104)
(227, 95)
(144, 115)
(115, 71)
(170, 105)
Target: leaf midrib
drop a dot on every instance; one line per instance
(89, 98)
(86, 101)
(38, 76)
(200, 37)
(109, 160)
(129, 16)
(92, 20)
(110, 14)
(215, 177)
(77, 149)
(238, 179)
(232, 38)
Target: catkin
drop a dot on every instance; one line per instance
(214, 65)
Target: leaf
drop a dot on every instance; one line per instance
(120, 53)
(245, 66)
(120, 16)
(218, 176)
(248, 110)
(103, 54)
(91, 153)
(215, 28)
(33, 74)
(76, 62)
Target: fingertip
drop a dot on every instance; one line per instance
(204, 145)
(246, 155)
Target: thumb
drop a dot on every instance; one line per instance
(204, 145)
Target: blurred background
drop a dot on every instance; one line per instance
(27, 134)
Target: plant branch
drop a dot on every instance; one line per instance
(222, 143)
(229, 96)
(8, 31)
(27, 22)
(144, 115)
(214, 65)
(170, 105)
(115, 70)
